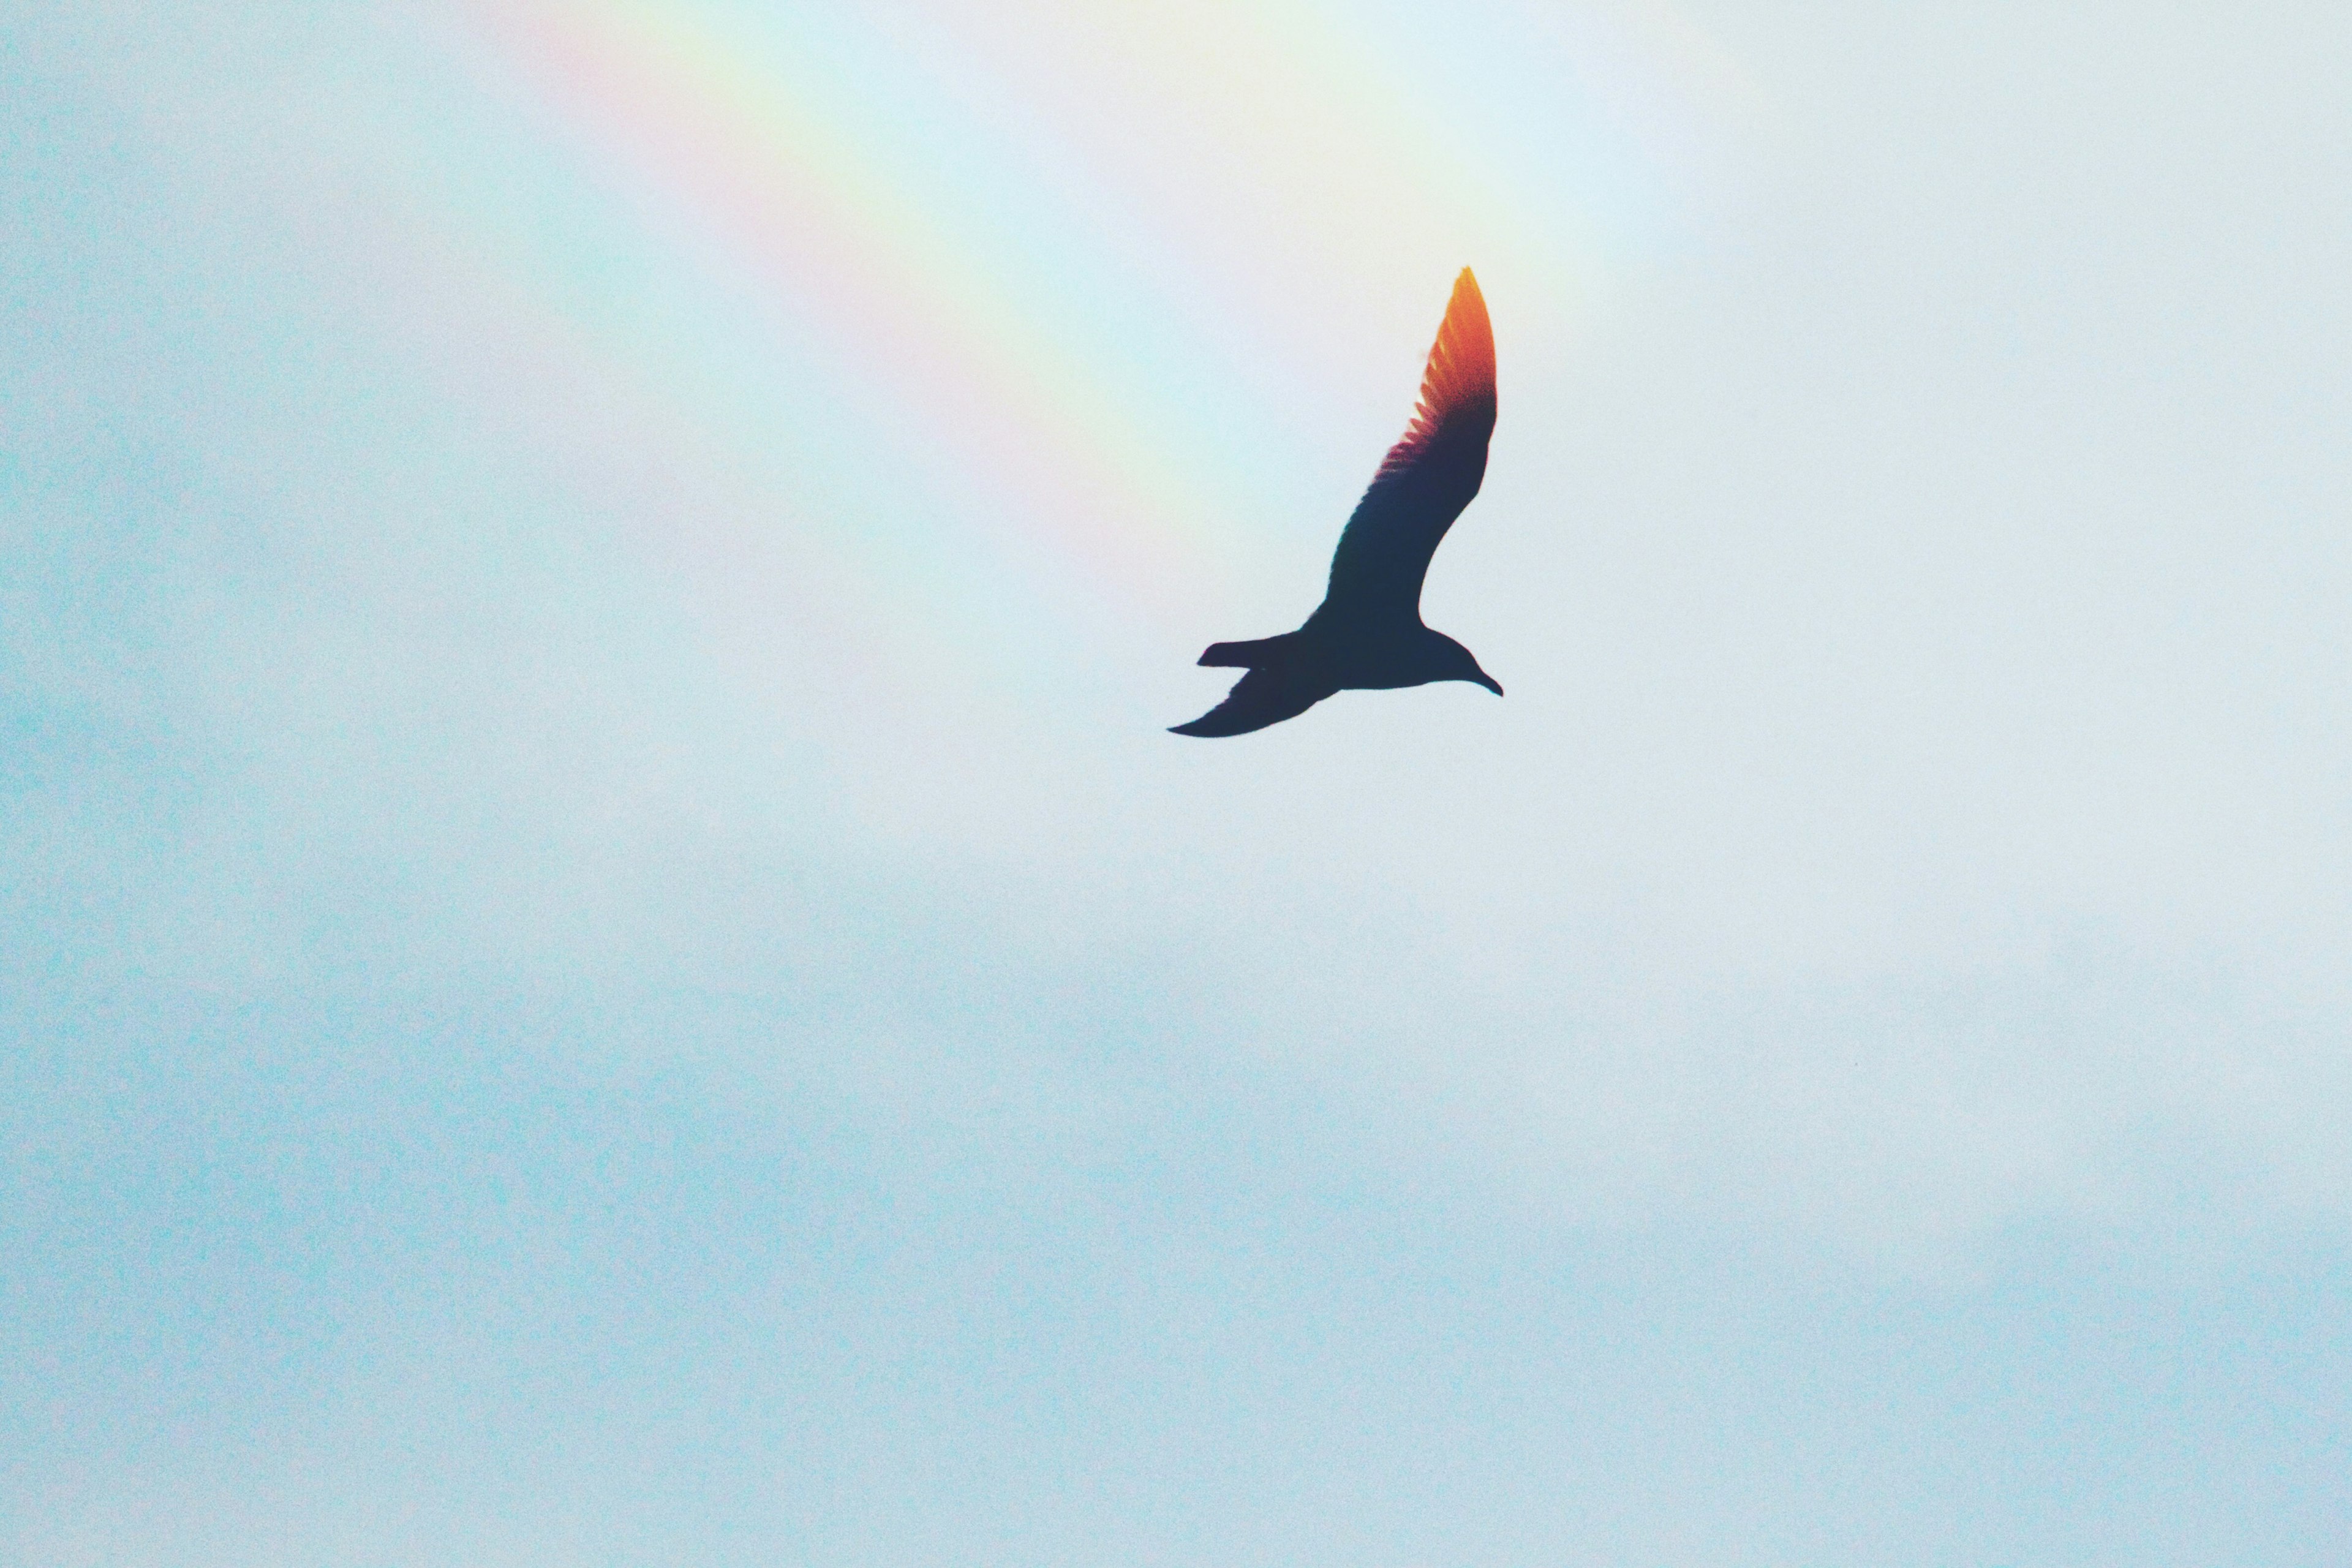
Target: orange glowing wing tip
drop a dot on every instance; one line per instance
(1461, 371)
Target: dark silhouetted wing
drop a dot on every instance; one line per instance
(1427, 477)
(1262, 697)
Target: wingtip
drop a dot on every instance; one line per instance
(1466, 293)
(1462, 360)
(1460, 371)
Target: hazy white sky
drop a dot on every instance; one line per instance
(603, 956)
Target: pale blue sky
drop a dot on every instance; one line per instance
(602, 958)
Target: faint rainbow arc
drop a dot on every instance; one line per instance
(792, 198)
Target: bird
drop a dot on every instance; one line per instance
(1367, 635)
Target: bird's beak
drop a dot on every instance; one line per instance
(1489, 682)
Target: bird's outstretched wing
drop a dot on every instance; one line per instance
(1262, 697)
(1428, 476)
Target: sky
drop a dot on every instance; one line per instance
(604, 959)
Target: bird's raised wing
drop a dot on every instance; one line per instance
(1428, 476)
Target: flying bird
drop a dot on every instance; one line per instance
(1366, 634)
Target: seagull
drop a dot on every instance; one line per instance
(1366, 634)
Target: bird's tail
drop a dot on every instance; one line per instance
(1247, 655)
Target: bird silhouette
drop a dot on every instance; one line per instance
(1367, 635)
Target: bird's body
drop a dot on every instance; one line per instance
(1368, 635)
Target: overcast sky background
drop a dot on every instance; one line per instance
(602, 958)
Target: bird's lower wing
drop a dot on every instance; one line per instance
(1262, 697)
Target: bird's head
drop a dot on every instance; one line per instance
(1457, 663)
